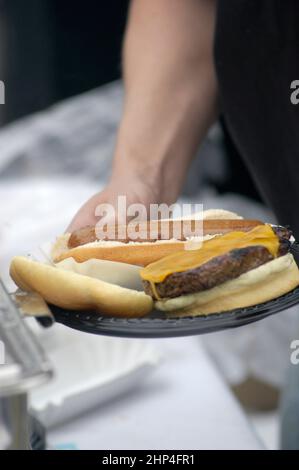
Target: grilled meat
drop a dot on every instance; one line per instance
(218, 270)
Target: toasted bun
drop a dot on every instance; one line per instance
(269, 281)
(74, 291)
(140, 254)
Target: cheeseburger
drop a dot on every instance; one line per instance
(237, 269)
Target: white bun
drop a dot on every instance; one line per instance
(269, 281)
(74, 291)
(211, 214)
(220, 214)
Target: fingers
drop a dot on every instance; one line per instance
(111, 205)
(86, 214)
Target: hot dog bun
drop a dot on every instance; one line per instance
(74, 291)
(215, 221)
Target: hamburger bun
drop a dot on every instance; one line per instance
(75, 291)
(267, 282)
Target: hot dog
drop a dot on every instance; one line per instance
(152, 239)
(184, 228)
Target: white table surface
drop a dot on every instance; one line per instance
(184, 405)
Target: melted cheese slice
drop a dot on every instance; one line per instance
(181, 261)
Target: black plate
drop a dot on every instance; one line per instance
(157, 325)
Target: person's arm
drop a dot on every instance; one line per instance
(170, 101)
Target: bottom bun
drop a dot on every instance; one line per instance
(267, 282)
(74, 291)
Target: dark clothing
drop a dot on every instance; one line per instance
(257, 58)
(289, 432)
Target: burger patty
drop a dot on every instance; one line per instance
(284, 236)
(218, 270)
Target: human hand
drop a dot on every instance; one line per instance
(135, 190)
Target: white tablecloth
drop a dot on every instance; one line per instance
(184, 405)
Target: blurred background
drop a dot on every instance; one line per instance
(51, 51)
(61, 65)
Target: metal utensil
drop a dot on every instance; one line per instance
(24, 366)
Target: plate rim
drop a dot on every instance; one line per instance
(153, 327)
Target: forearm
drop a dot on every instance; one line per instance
(170, 91)
(170, 102)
